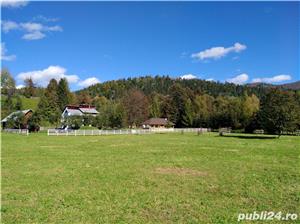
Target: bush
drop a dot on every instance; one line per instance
(253, 125)
(17, 120)
(34, 122)
(75, 122)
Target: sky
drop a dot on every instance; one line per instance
(91, 42)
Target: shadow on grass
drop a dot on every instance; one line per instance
(249, 136)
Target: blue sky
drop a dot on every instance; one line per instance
(88, 42)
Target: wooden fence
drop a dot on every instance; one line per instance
(16, 131)
(58, 132)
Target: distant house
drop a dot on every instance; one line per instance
(73, 110)
(27, 114)
(158, 123)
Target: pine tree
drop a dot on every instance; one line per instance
(19, 104)
(63, 93)
(179, 98)
(30, 89)
(48, 108)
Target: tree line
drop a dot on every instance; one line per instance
(186, 103)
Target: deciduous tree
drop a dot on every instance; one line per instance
(279, 112)
(136, 107)
(8, 84)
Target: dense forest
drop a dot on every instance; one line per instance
(187, 103)
(162, 85)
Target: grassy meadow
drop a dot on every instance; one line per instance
(27, 103)
(155, 178)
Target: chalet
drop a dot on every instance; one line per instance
(72, 110)
(27, 114)
(158, 123)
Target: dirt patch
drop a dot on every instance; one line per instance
(180, 171)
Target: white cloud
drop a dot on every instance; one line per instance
(240, 79)
(13, 3)
(9, 25)
(53, 28)
(33, 31)
(36, 35)
(20, 86)
(31, 27)
(42, 77)
(210, 79)
(188, 76)
(88, 82)
(45, 19)
(277, 78)
(218, 52)
(5, 57)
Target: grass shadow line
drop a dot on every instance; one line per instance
(249, 137)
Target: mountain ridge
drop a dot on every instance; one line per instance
(161, 84)
(289, 86)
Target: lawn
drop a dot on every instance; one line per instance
(155, 178)
(27, 103)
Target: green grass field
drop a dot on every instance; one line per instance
(27, 103)
(156, 178)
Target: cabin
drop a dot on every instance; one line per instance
(158, 123)
(27, 114)
(79, 110)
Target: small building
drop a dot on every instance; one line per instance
(74, 110)
(27, 114)
(158, 123)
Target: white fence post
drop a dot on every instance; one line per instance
(50, 132)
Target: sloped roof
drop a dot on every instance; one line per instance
(80, 110)
(73, 112)
(15, 113)
(90, 110)
(158, 121)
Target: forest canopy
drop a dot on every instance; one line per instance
(187, 103)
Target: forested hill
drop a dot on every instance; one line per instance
(161, 84)
(287, 86)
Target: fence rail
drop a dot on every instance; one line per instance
(57, 132)
(16, 131)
